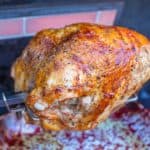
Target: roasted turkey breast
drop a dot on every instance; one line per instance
(77, 75)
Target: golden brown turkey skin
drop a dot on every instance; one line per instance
(35, 56)
(85, 75)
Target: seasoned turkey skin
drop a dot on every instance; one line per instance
(77, 75)
(35, 55)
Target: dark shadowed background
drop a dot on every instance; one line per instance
(136, 15)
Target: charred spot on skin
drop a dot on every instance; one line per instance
(135, 38)
(107, 62)
(133, 48)
(70, 90)
(77, 78)
(77, 59)
(58, 90)
(89, 34)
(86, 69)
(98, 78)
(103, 75)
(47, 42)
(103, 48)
(132, 67)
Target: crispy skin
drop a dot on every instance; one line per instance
(97, 67)
(38, 52)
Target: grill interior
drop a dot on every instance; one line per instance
(9, 51)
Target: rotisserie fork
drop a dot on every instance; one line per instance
(16, 102)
